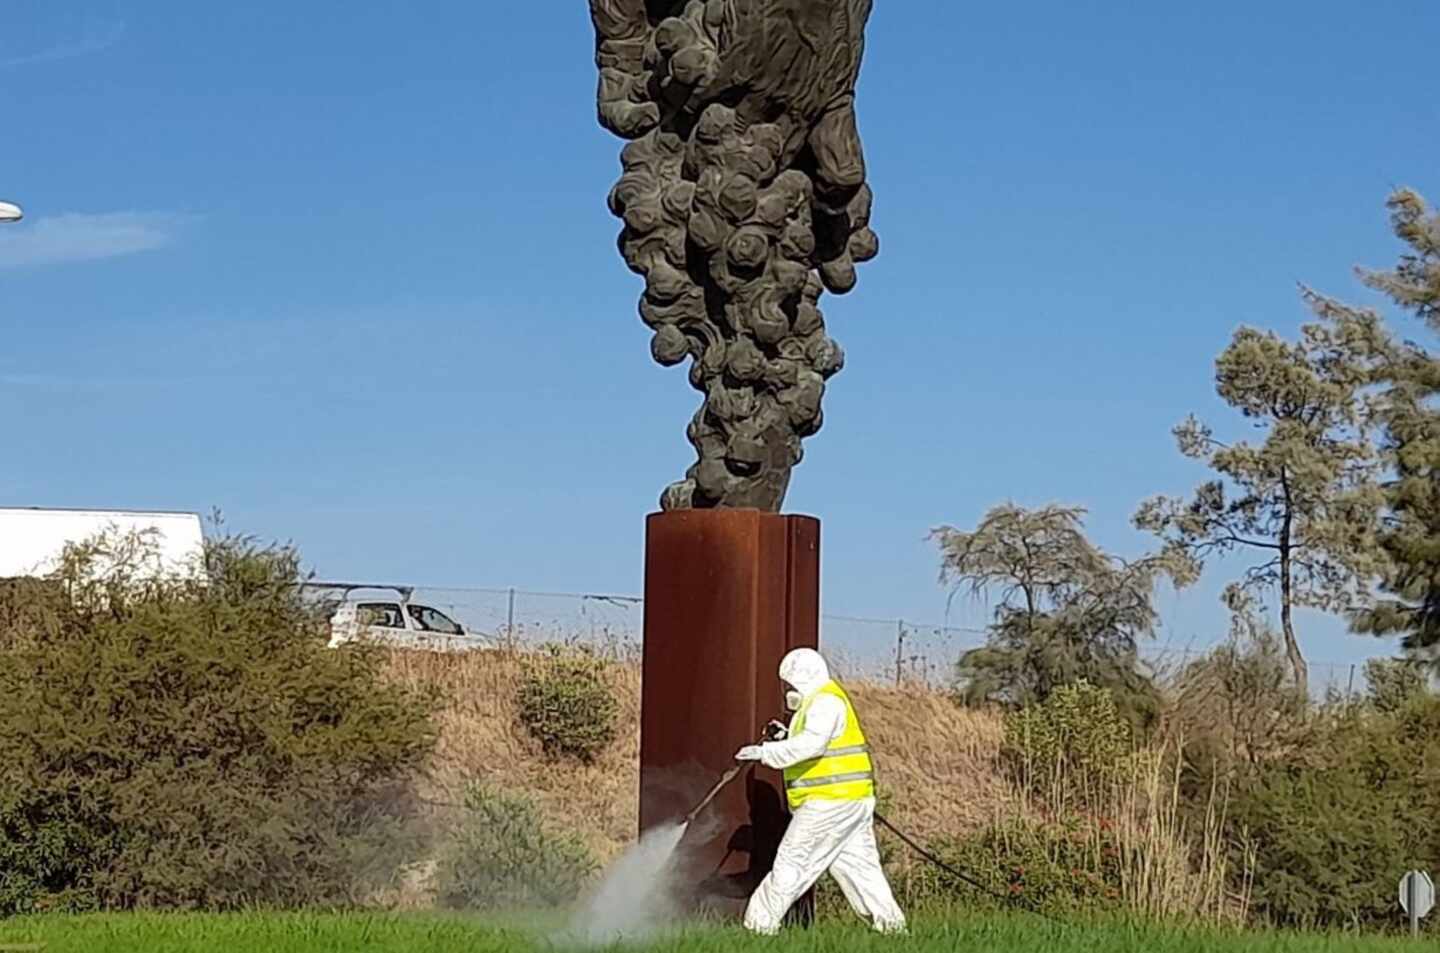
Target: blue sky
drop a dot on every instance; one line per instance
(345, 271)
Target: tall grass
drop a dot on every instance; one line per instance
(1173, 864)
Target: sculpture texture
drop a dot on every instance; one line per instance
(743, 196)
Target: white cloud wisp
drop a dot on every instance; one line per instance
(95, 36)
(74, 237)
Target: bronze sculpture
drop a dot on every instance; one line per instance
(744, 199)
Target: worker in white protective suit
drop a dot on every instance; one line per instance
(830, 785)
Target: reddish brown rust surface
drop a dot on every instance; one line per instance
(727, 594)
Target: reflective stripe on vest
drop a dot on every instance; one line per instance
(832, 779)
(844, 772)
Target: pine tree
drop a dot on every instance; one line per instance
(1303, 500)
(1408, 413)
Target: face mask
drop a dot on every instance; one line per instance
(793, 700)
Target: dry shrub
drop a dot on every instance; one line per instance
(1237, 704)
(481, 739)
(565, 703)
(504, 856)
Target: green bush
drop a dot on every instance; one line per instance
(567, 705)
(502, 857)
(1392, 684)
(1051, 866)
(192, 742)
(1069, 745)
(1333, 825)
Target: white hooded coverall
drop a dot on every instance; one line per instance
(824, 835)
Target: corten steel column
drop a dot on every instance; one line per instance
(727, 594)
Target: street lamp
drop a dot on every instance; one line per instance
(10, 212)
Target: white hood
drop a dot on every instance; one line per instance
(805, 671)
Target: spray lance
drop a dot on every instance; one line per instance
(775, 730)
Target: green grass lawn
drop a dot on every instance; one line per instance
(382, 933)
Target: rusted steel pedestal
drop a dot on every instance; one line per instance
(727, 594)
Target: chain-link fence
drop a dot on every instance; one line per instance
(1327, 679)
(888, 650)
(896, 650)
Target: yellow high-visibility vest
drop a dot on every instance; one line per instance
(844, 772)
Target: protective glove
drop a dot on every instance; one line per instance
(748, 753)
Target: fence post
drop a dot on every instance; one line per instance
(899, 650)
(510, 615)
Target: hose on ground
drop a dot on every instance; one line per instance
(961, 875)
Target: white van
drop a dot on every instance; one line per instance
(33, 539)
